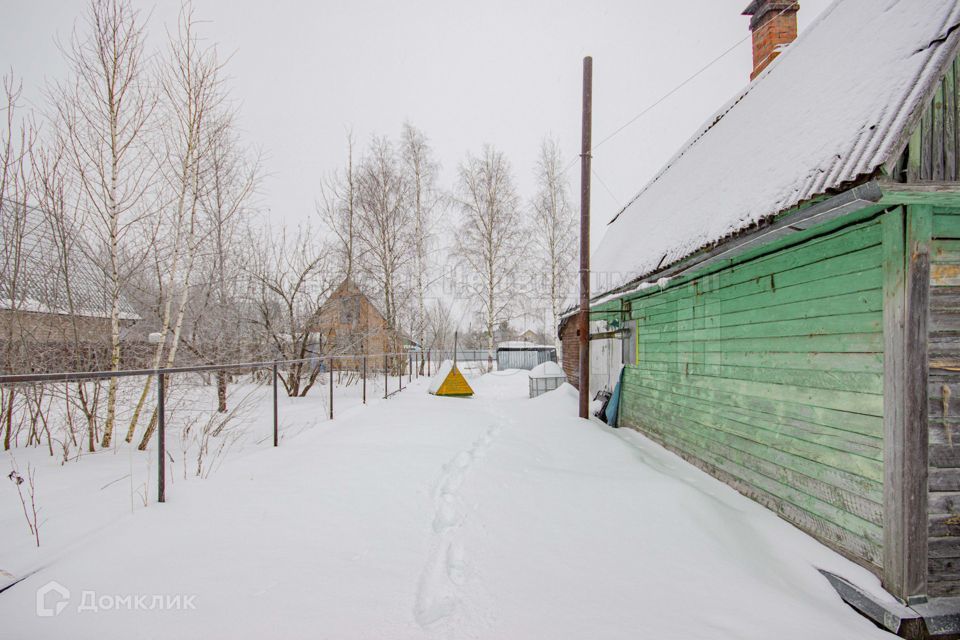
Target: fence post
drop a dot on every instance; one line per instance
(428, 363)
(330, 366)
(409, 367)
(161, 440)
(364, 378)
(276, 430)
(386, 376)
(399, 374)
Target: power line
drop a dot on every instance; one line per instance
(665, 96)
(674, 90)
(603, 184)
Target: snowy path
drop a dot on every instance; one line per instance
(423, 517)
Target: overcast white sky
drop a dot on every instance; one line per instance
(505, 72)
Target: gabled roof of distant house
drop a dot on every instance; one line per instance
(40, 286)
(349, 288)
(836, 108)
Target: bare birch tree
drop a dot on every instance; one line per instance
(292, 276)
(384, 224)
(105, 109)
(219, 330)
(421, 171)
(17, 141)
(337, 209)
(192, 94)
(56, 197)
(554, 231)
(438, 334)
(489, 238)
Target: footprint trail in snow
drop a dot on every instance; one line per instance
(439, 598)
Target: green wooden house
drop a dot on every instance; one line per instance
(788, 290)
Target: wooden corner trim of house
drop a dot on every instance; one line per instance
(907, 233)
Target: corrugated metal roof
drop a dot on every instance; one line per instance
(837, 106)
(35, 282)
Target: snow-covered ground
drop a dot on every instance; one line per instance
(422, 517)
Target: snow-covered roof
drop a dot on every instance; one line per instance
(40, 286)
(547, 369)
(520, 344)
(835, 107)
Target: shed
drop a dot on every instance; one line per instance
(523, 355)
(792, 279)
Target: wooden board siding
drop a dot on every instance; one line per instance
(944, 407)
(933, 153)
(769, 375)
(570, 351)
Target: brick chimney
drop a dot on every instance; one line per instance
(774, 26)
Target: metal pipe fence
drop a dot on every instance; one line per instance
(396, 365)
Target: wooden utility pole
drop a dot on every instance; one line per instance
(584, 319)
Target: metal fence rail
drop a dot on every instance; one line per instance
(396, 364)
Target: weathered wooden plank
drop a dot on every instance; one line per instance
(912, 478)
(855, 547)
(943, 480)
(943, 347)
(938, 588)
(944, 525)
(937, 136)
(946, 226)
(944, 432)
(955, 75)
(823, 378)
(824, 446)
(801, 302)
(839, 419)
(867, 322)
(944, 305)
(767, 292)
(788, 265)
(945, 251)
(926, 144)
(947, 547)
(944, 323)
(757, 280)
(715, 445)
(867, 342)
(851, 500)
(950, 126)
(944, 456)
(894, 560)
(848, 401)
(948, 568)
(858, 363)
(945, 299)
(945, 275)
(914, 156)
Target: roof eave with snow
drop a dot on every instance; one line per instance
(840, 105)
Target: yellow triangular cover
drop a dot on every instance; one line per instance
(455, 385)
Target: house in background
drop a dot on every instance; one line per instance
(530, 336)
(54, 309)
(348, 322)
(785, 292)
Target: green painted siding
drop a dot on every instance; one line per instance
(769, 375)
(943, 394)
